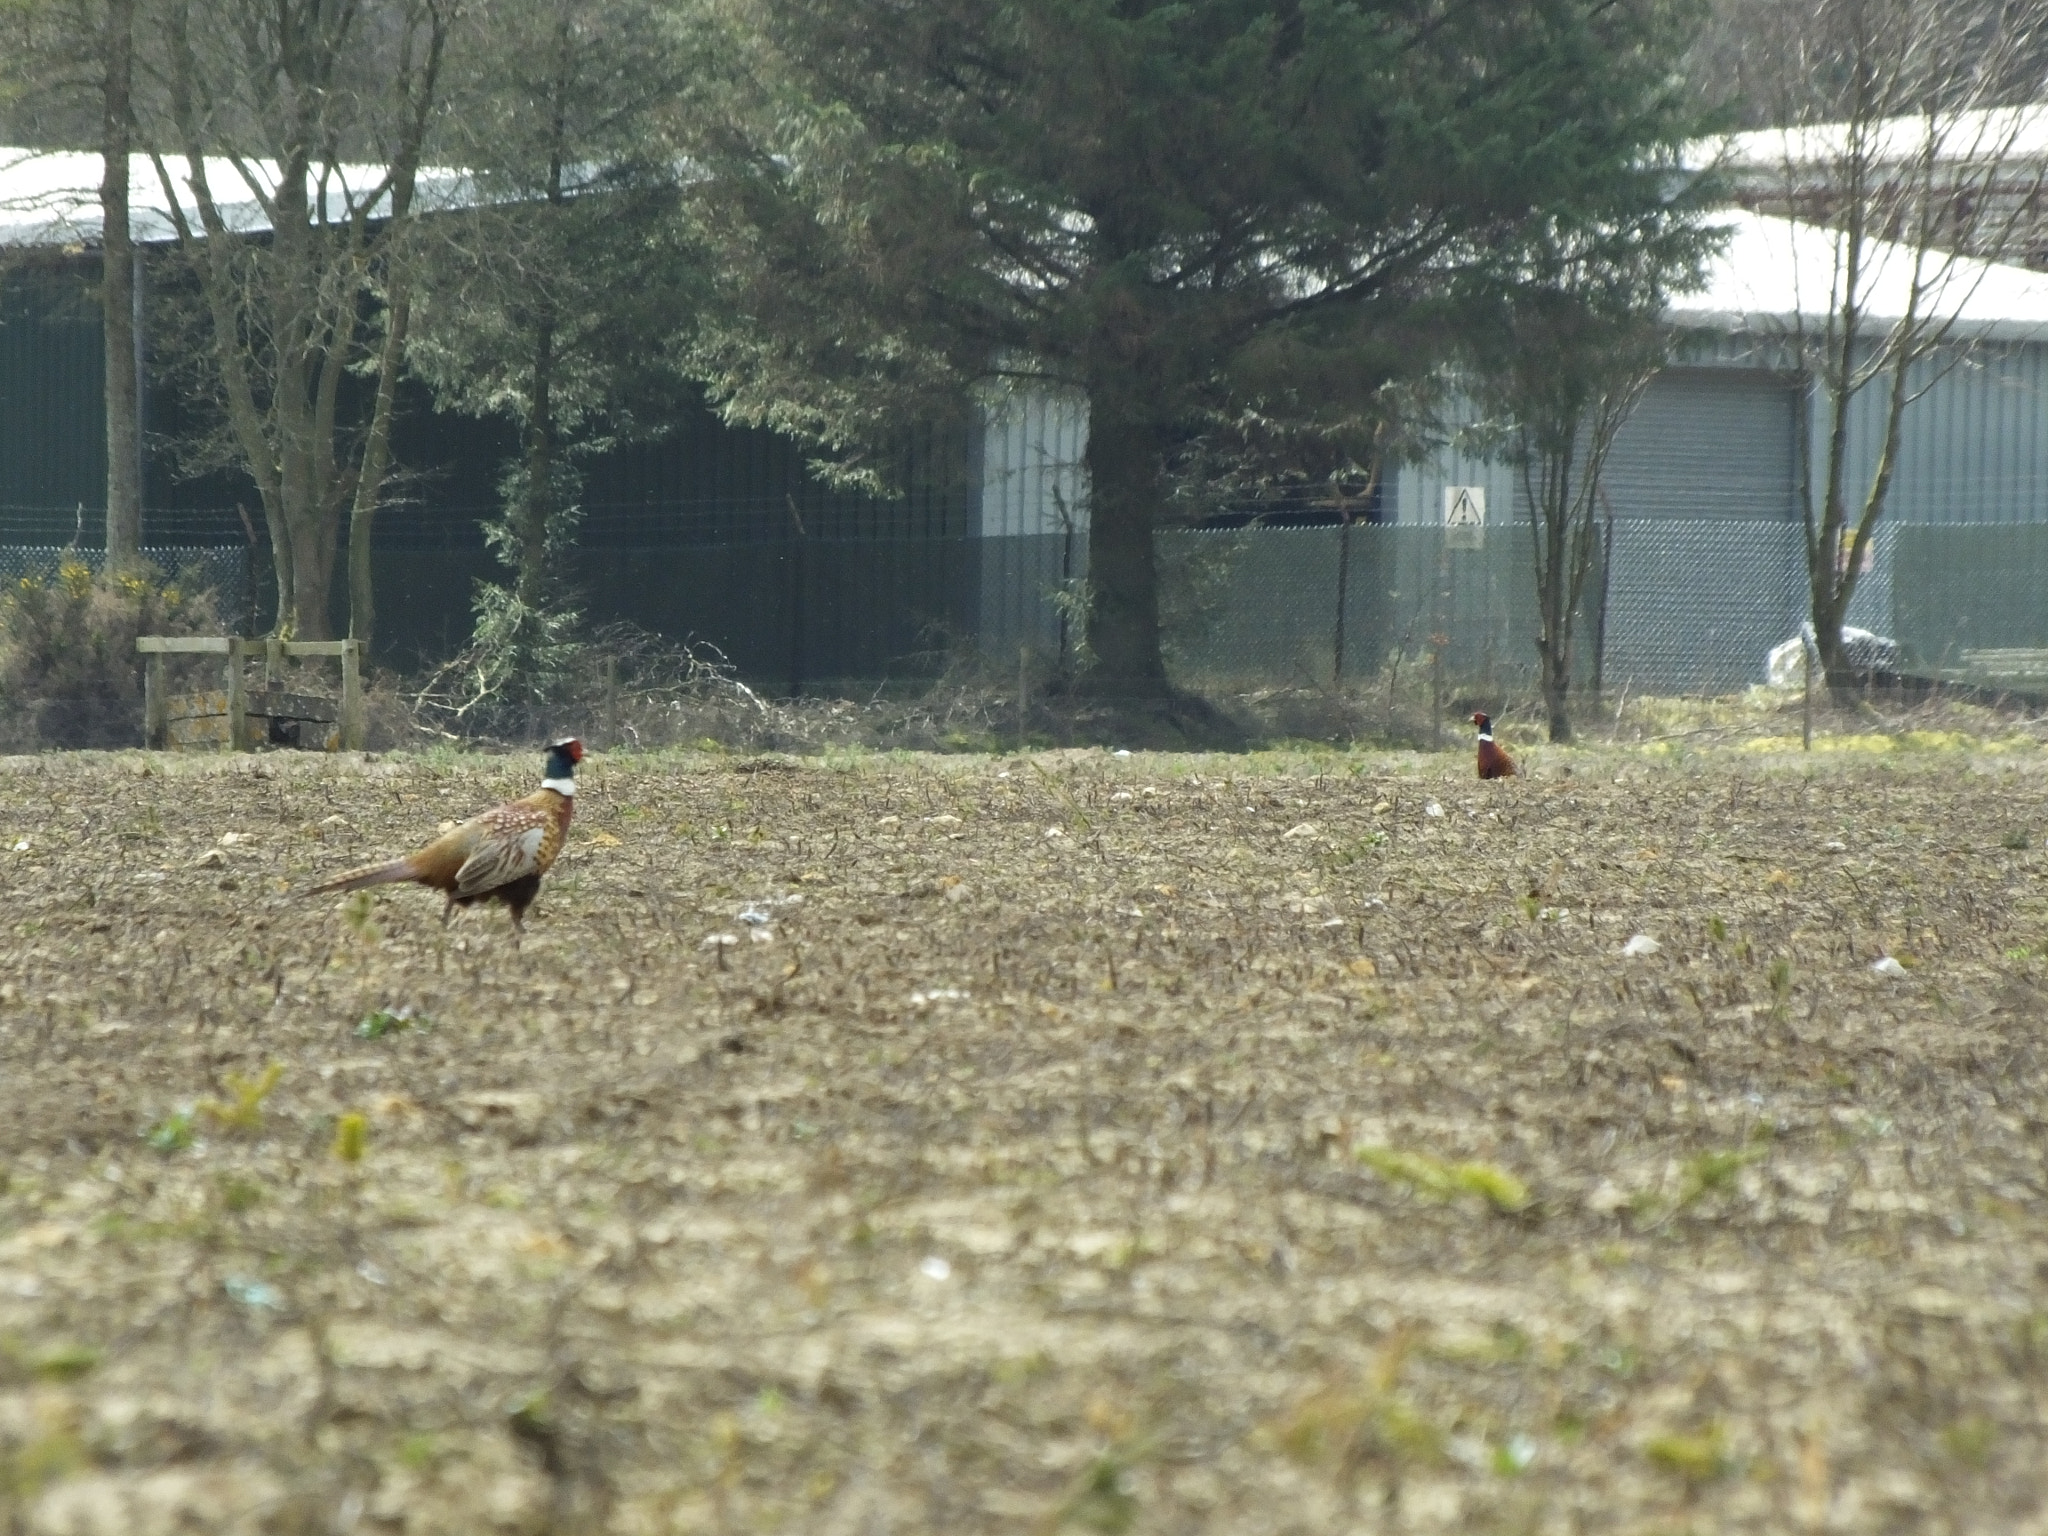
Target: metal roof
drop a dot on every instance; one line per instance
(2017, 134)
(1770, 271)
(1773, 271)
(52, 197)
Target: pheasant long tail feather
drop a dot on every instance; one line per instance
(393, 873)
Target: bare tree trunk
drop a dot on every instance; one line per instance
(1547, 485)
(1562, 465)
(118, 326)
(362, 599)
(1123, 461)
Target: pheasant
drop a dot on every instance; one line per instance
(1493, 762)
(498, 856)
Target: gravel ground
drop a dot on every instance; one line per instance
(1272, 1143)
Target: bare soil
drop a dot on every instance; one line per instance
(1273, 1143)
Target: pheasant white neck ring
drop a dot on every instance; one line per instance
(566, 788)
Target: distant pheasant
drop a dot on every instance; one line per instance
(498, 856)
(1493, 763)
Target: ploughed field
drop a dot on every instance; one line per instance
(1071, 1142)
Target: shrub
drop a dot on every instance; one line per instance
(69, 672)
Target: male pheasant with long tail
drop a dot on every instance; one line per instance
(498, 856)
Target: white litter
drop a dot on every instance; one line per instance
(1642, 944)
(1890, 967)
(1432, 809)
(935, 1268)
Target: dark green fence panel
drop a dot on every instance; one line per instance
(53, 449)
(1968, 587)
(789, 615)
(1259, 606)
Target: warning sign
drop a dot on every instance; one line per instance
(1464, 517)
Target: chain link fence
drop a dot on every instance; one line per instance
(221, 570)
(1969, 602)
(1672, 606)
(1669, 606)
(76, 682)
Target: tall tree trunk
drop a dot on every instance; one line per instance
(362, 598)
(1557, 685)
(314, 554)
(1123, 459)
(117, 295)
(1547, 487)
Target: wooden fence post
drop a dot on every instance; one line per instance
(155, 707)
(238, 697)
(352, 696)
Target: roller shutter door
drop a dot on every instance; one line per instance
(1707, 443)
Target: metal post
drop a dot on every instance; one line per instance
(1600, 615)
(1343, 589)
(1809, 642)
(238, 697)
(1436, 693)
(796, 603)
(611, 701)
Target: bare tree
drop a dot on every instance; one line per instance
(1561, 453)
(319, 113)
(1561, 373)
(118, 328)
(1901, 134)
(66, 67)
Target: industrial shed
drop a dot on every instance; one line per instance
(1706, 567)
(722, 535)
(707, 533)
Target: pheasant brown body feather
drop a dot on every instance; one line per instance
(1493, 762)
(498, 856)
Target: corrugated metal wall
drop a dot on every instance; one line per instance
(1419, 488)
(1973, 448)
(695, 535)
(1033, 522)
